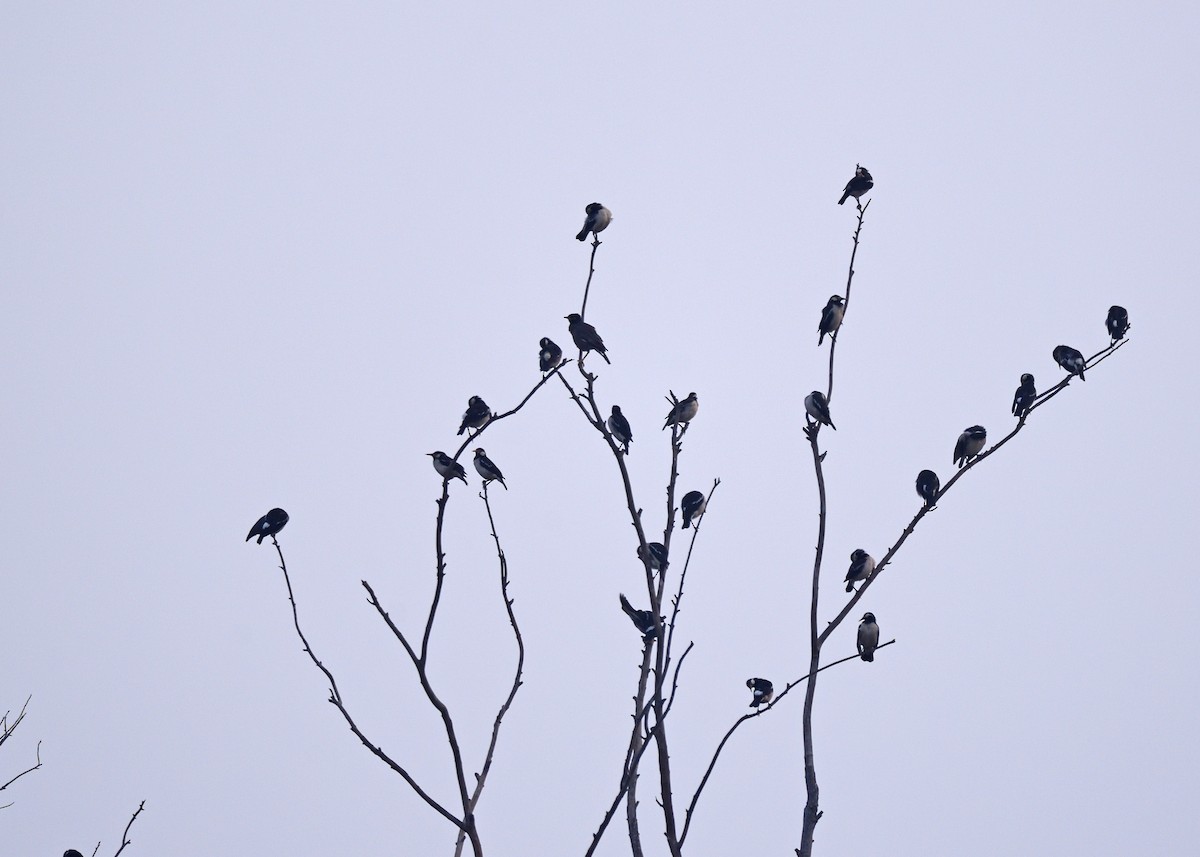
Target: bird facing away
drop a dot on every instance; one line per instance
(486, 468)
(683, 412)
(1070, 359)
(476, 415)
(928, 486)
(643, 620)
(1117, 322)
(447, 467)
(969, 445)
(692, 506)
(619, 428)
(549, 355)
(763, 691)
(597, 220)
(268, 525)
(817, 407)
(658, 555)
(71, 852)
(868, 637)
(831, 318)
(1023, 398)
(861, 566)
(857, 186)
(585, 336)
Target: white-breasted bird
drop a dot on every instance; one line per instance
(447, 467)
(657, 552)
(1023, 398)
(970, 444)
(692, 507)
(683, 411)
(548, 354)
(762, 691)
(861, 566)
(643, 620)
(585, 336)
(597, 220)
(868, 637)
(268, 525)
(857, 186)
(831, 318)
(1117, 322)
(487, 468)
(1070, 359)
(817, 407)
(619, 428)
(928, 486)
(476, 415)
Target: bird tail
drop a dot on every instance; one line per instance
(869, 657)
(849, 585)
(832, 426)
(260, 538)
(500, 479)
(845, 196)
(582, 236)
(462, 429)
(1081, 378)
(609, 362)
(625, 605)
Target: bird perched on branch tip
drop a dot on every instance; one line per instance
(486, 468)
(683, 411)
(857, 186)
(1117, 322)
(597, 220)
(817, 407)
(692, 507)
(447, 467)
(585, 336)
(268, 525)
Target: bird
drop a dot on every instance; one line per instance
(643, 620)
(861, 566)
(476, 415)
(868, 637)
(818, 408)
(1070, 359)
(658, 555)
(619, 428)
(1117, 322)
(857, 186)
(1023, 398)
(598, 218)
(928, 486)
(831, 318)
(486, 468)
(970, 442)
(585, 336)
(683, 412)
(268, 525)
(549, 355)
(693, 507)
(762, 690)
(447, 467)
(71, 852)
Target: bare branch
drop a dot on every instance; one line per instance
(833, 338)
(125, 840)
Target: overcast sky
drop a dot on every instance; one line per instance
(260, 255)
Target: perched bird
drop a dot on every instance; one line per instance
(861, 566)
(447, 467)
(762, 689)
(598, 218)
(1023, 398)
(693, 507)
(549, 355)
(818, 408)
(1070, 359)
(268, 525)
(831, 318)
(486, 468)
(71, 852)
(1117, 322)
(618, 426)
(969, 445)
(476, 415)
(683, 411)
(643, 620)
(585, 336)
(928, 486)
(658, 555)
(857, 186)
(868, 637)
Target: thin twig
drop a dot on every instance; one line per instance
(591, 270)
(833, 337)
(125, 840)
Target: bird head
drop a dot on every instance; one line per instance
(868, 617)
(1026, 378)
(479, 451)
(573, 318)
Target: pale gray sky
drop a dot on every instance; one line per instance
(261, 256)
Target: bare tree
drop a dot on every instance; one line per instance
(7, 728)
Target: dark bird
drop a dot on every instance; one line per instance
(447, 467)
(1070, 359)
(861, 566)
(762, 689)
(619, 428)
(683, 411)
(658, 555)
(857, 186)
(969, 445)
(486, 468)
(597, 220)
(818, 408)
(831, 318)
(643, 620)
(928, 486)
(693, 507)
(585, 336)
(1023, 398)
(71, 852)
(549, 355)
(868, 637)
(476, 415)
(268, 525)
(1117, 322)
